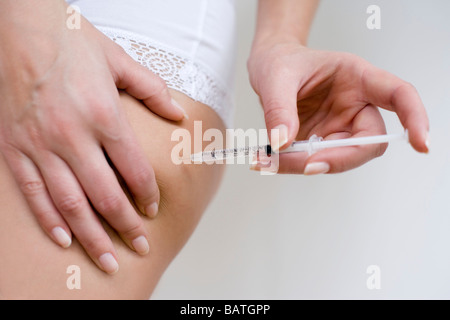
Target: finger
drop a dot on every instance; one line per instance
(144, 85)
(279, 100)
(72, 203)
(101, 186)
(33, 187)
(368, 122)
(391, 93)
(139, 177)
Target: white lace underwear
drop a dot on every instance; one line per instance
(189, 43)
(180, 73)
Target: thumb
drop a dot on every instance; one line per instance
(144, 85)
(279, 102)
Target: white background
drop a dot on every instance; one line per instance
(296, 237)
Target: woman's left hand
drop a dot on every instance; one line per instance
(333, 95)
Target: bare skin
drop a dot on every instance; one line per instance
(334, 95)
(34, 267)
(60, 115)
(303, 91)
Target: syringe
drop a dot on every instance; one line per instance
(311, 146)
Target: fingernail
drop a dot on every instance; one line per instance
(276, 144)
(62, 237)
(152, 210)
(255, 166)
(316, 168)
(108, 263)
(178, 106)
(427, 142)
(260, 162)
(141, 246)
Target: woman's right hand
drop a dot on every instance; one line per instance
(60, 123)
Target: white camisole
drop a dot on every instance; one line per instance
(189, 43)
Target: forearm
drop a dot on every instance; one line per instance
(284, 20)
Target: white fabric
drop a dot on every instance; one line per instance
(189, 43)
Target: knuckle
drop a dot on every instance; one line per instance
(32, 187)
(143, 177)
(62, 134)
(120, 51)
(36, 137)
(159, 84)
(159, 87)
(347, 56)
(273, 108)
(109, 205)
(380, 150)
(409, 86)
(104, 115)
(349, 59)
(10, 150)
(94, 243)
(280, 64)
(45, 218)
(70, 205)
(275, 113)
(34, 133)
(134, 230)
(400, 90)
(53, 132)
(107, 120)
(5, 142)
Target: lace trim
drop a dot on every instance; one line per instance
(180, 73)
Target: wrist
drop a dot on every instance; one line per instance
(285, 20)
(31, 35)
(266, 40)
(274, 33)
(274, 45)
(21, 21)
